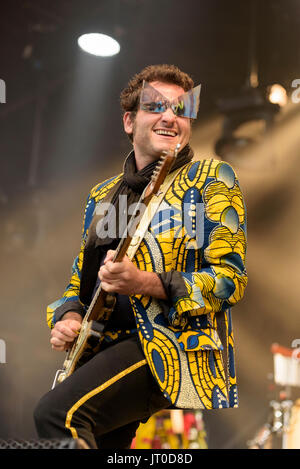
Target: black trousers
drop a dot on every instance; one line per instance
(104, 401)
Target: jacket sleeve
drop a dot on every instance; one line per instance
(221, 280)
(70, 299)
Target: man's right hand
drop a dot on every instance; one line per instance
(65, 331)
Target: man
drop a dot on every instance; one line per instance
(168, 342)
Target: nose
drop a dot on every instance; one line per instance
(168, 116)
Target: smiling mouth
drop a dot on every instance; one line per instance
(166, 133)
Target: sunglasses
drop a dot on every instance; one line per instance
(185, 105)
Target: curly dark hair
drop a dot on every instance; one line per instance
(164, 73)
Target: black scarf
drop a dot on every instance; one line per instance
(133, 183)
(136, 181)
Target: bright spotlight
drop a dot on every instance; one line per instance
(277, 95)
(99, 44)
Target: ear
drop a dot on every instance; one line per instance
(128, 123)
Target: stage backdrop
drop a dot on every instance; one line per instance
(41, 236)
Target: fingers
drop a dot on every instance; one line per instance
(108, 287)
(115, 267)
(67, 329)
(118, 277)
(110, 274)
(64, 333)
(111, 267)
(59, 345)
(109, 256)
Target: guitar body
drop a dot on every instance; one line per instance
(82, 351)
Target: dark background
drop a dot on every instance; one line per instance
(61, 133)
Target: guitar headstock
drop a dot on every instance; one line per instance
(162, 169)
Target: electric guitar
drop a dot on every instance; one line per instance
(102, 305)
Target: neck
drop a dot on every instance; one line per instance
(142, 160)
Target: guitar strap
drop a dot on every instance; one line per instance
(149, 213)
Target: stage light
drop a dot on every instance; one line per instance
(99, 44)
(277, 95)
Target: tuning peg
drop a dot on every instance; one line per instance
(177, 149)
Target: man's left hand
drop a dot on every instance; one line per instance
(126, 279)
(120, 277)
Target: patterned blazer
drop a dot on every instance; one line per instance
(199, 231)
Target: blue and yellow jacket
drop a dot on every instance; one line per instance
(192, 361)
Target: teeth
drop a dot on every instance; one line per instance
(166, 132)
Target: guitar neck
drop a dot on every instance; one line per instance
(100, 297)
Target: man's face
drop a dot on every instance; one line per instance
(155, 132)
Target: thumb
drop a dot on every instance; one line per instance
(74, 325)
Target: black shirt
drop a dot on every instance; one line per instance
(122, 317)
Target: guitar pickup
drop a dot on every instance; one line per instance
(95, 328)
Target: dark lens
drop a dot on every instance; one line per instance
(154, 106)
(178, 108)
(149, 106)
(160, 107)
